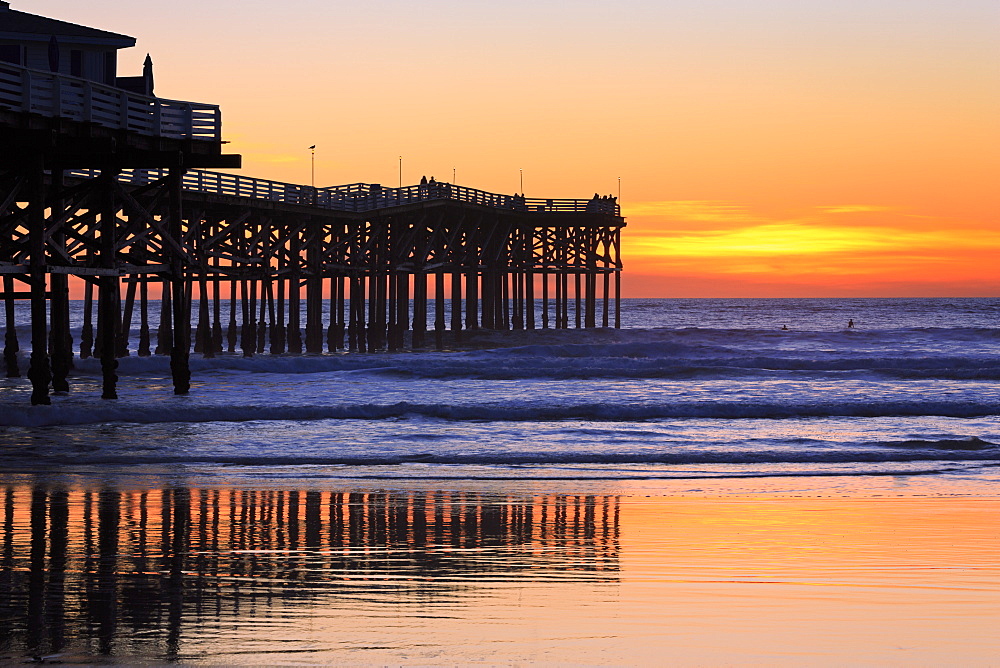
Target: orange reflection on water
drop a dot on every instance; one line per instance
(227, 575)
(905, 581)
(183, 574)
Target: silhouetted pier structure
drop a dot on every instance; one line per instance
(110, 186)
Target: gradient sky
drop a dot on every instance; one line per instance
(765, 147)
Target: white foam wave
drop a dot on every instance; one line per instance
(629, 354)
(972, 450)
(190, 413)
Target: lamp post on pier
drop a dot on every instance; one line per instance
(521, 171)
(312, 150)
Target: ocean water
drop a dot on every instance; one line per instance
(686, 389)
(700, 485)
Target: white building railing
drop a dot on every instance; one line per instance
(61, 96)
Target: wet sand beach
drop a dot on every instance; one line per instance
(150, 568)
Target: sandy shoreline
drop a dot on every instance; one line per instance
(124, 568)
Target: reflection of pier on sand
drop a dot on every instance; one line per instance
(107, 571)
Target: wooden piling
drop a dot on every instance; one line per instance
(557, 301)
(278, 329)
(205, 319)
(143, 350)
(545, 298)
(39, 371)
(419, 328)
(231, 329)
(314, 292)
(203, 332)
(179, 354)
(577, 282)
(108, 313)
(471, 301)
(164, 333)
(10, 347)
(60, 338)
(456, 305)
(394, 331)
(403, 306)
(248, 333)
(335, 332)
(439, 314)
(217, 340)
(604, 315)
(265, 290)
(125, 328)
(529, 298)
(357, 332)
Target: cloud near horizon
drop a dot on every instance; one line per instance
(798, 238)
(829, 244)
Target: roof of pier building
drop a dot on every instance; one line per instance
(21, 26)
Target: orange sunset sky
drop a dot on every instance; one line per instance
(765, 147)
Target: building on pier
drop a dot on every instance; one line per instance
(45, 44)
(113, 187)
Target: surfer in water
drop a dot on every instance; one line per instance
(850, 323)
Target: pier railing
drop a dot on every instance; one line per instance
(359, 197)
(61, 96)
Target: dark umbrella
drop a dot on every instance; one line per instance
(147, 74)
(53, 54)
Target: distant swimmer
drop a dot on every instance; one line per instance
(850, 324)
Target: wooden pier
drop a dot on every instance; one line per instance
(110, 188)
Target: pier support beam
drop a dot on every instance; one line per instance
(232, 336)
(143, 350)
(265, 296)
(529, 298)
(545, 299)
(60, 338)
(10, 345)
(217, 344)
(180, 352)
(471, 299)
(108, 299)
(39, 371)
(439, 317)
(164, 333)
(456, 306)
(314, 291)
(356, 329)
(335, 331)
(204, 331)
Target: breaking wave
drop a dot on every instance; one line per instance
(162, 413)
(927, 353)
